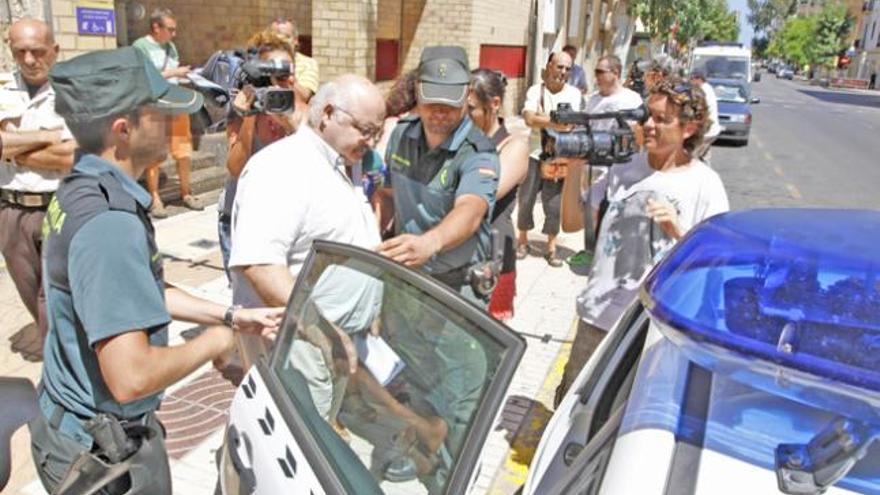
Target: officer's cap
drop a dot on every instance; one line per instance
(444, 75)
(115, 82)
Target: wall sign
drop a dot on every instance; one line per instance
(96, 17)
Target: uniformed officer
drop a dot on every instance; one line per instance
(106, 358)
(444, 174)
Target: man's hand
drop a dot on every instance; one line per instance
(666, 216)
(244, 100)
(258, 321)
(181, 71)
(226, 343)
(561, 127)
(411, 250)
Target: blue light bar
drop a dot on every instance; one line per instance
(786, 299)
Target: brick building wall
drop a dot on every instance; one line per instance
(503, 22)
(205, 27)
(71, 43)
(344, 37)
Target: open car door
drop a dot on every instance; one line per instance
(381, 380)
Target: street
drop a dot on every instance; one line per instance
(809, 147)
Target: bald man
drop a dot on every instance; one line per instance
(37, 150)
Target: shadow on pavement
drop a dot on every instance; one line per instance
(862, 100)
(28, 342)
(523, 420)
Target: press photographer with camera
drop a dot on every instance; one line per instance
(653, 200)
(249, 129)
(545, 175)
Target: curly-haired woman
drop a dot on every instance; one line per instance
(652, 202)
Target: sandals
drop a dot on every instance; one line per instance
(552, 259)
(522, 250)
(408, 459)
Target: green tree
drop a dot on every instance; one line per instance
(794, 41)
(765, 14)
(832, 26)
(697, 20)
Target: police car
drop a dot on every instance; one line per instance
(750, 365)
(381, 380)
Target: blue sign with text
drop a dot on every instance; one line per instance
(95, 21)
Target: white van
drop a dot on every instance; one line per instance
(722, 60)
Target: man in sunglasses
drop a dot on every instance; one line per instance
(611, 96)
(159, 47)
(541, 99)
(652, 202)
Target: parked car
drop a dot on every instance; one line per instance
(749, 365)
(429, 383)
(785, 73)
(734, 112)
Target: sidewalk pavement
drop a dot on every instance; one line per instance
(194, 411)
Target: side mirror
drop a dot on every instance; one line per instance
(755, 100)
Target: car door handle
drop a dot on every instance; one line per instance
(246, 475)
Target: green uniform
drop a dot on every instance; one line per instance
(426, 184)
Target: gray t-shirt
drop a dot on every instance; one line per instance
(630, 242)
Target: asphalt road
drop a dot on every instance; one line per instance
(809, 147)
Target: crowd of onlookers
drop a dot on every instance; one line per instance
(427, 174)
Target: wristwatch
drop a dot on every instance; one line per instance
(229, 316)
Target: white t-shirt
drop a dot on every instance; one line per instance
(630, 242)
(569, 94)
(290, 193)
(622, 99)
(712, 103)
(31, 114)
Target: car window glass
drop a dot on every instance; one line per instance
(387, 378)
(731, 93)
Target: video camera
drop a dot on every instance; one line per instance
(598, 148)
(259, 75)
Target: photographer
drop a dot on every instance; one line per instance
(248, 133)
(653, 200)
(545, 176)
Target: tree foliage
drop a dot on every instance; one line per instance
(814, 39)
(696, 20)
(765, 14)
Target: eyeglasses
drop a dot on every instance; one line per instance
(370, 132)
(564, 68)
(599, 72)
(170, 29)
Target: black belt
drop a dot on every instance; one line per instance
(453, 278)
(26, 199)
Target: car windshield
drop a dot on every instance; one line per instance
(386, 377)
(732, 93)
(722, 67)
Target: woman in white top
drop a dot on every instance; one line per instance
(652, 202)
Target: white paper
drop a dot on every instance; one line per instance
(378, 357)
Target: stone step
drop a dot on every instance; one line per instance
(201, 181)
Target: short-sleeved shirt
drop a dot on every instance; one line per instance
(629, 242)
(466, 163)
(535, 103)
(163, 55)
(622, 99)
(112, 291)
(712, 104)
(23, 113)
(306, 72)
(291, 193)
(578, 78)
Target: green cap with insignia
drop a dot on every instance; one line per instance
(115, 82)
(444, 76)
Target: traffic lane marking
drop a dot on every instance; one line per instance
(778, 170)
